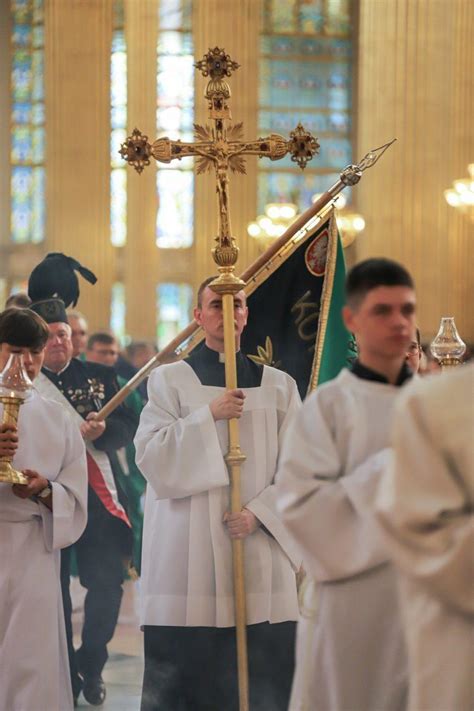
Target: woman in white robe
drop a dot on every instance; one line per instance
(426, 506)
(34, 672)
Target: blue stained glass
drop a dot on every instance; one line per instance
(38, 11)
(22, 113)
(338, 15)
(27, 117)
(118, 116)
(174, 304)
(175, 212)
(21, 145)
(22, 35)
(22, 11)
(118, 42)
(37, 117)
(38, 36)
(38, 205)
(283, 16)
(21, 76)
(21, 212)
(38, 76)
(38, 145)
(311, 16)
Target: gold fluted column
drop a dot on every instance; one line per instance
(141, 252)
(235, 26)
(77, 76)
(415, 82)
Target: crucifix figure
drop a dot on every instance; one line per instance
(221, 147)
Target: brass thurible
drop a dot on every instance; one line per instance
(15, 386)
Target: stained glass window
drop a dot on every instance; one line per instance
(117, 311)
(118, 122)
(305, 75)
(174, 305)
(174, 118)
(27, 122)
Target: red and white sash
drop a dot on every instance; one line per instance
(99, 471)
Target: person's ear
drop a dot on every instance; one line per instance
(197, 314)
(348, 317)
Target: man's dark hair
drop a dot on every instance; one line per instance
(20, 300)
(204, 284)
(100, 337)
(370, 274)
(23, 328)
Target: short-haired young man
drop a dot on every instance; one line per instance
(187, 606)
(350, 652)
(36, 521)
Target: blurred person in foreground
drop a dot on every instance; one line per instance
(36, 521)
(350, 648)
(425, 507)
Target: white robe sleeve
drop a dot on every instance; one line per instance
(178, 455)
(424, 504)
(328, 514)
(66, 522)
(264, 505)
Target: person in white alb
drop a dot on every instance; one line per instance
(426, 508)
(187, 606)
(350, 650)
(36, 521)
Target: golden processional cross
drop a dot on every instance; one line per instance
(220, 147)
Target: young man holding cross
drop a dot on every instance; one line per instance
(187, 591)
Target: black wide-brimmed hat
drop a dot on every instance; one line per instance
(53, 286)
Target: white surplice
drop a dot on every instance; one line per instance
(426, 506)
(34, 669)
(187, 555)
(350, 650)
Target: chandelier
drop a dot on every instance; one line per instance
(461, 195)
(278, 217)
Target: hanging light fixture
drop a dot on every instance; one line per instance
(461, 195)
(271, 225)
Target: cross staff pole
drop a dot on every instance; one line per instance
(349, 176)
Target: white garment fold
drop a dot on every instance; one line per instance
(334, 454)
(426, 506)
(187, 555)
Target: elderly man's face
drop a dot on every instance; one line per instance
(59, 349)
